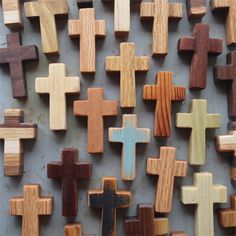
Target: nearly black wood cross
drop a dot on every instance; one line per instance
(228, 73)
(109, 199)
(14, 55)
(69, 170)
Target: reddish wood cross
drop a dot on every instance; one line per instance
(69, 170)
(167, 167)
(228, 73)
(14, 55)
(164, 92)
(95, 108)
(200, 44)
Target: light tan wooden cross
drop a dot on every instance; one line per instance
(127, 64)
(30, 207)
(160, 11)
(57, 85)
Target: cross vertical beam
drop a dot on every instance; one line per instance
(57, 85)
(160, 11)
(95, 108)
(87, 28)
(109, 199)
(127, 64)
(129, 135)
(200, 45)
(163, 92)
(167, 167)
(30, 207)
(198, 120)
(204, 194)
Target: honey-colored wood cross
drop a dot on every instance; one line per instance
(204, 194)
(87, 28)
(46, 10)
(198, 120)
(57, 85)
(12, 14)
(127, 64)
(166, 167)
(163, 92)
(30, 207)
(160, 11)
(14, 131)
(227, 143)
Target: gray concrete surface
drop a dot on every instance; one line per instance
(48, 146)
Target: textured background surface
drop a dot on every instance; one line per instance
(48, 146)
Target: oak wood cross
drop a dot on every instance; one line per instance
(69, 171)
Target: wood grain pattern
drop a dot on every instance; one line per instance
(57, 85)
(198, 120)
(127, 64)
(109, 199)
(70, 170)
(87, 28)
(230, 25)
(146, 224)
(196, 8)
(227, 143)
(129, 135)
(12, 14)
(204, 194)
(227, 217)
(160, 11)
(228, 73)
(85, 3)
(46, 11)
(30, 206)
(13, 131)
(200, 45)
(178, 233)
(167, 168)
(164, 92)
(95, 108)
(73, 230)
(15, 55)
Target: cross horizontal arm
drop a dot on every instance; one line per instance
(100, 28)
(81, 108)
(113, 63)
(55, 170)
(189, 195)
(180, 168)
(175, 10)
(123, 199)
(213, 121)
(17, 206)
(45, 206)
(147, 10)
(153, 166)
(226, 143)
(184, 120)
(72, 85)
(219, 193)
(216, 46)
(141, 63)
(83, 170)
(109, 108)
(178, 93)
(95, 199)
(74, 28)
(116, 135)
(186, 45)
(42, 85)
(150, 92)
(223, 72)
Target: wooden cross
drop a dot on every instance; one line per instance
(227, 217)
(230, 25)
(30, 207)
(160, 11)
(95, 108)
(178, 233)
(85, 3)
(13, 131)
(69, 171)
(46, 10)
(166, 167)
(198, 120)
(196, 8)
(14, 55)
(227, 143)
(109, 199)
(146, 223)
(87, 28)
(129, 135)
(204, 194)
(200, 44)
(57, 85)
(127, 64)
(12, 14)
(228, 73)
(164, 92)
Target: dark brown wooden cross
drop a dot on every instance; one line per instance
(109, 199)
(95, 108)
(69, 170)
(228, 73)
(14, 55)
(200, 44)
